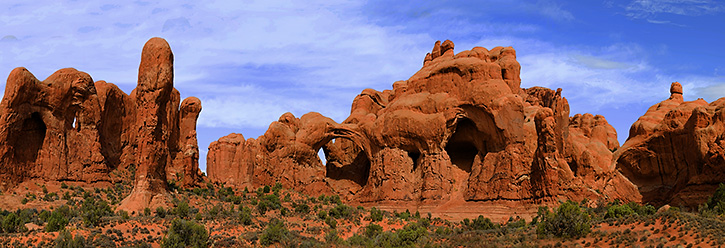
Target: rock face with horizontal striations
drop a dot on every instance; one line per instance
(675, 152)
(68, 128)
(460, 129)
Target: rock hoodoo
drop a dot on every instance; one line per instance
(675, 152)
(460, 129)
(68, 128)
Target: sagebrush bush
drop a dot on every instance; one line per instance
(568, 221)
(716, 202)
(184, 233)
(65, 240)
(276, 232)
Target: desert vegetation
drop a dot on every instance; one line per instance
(217, 216)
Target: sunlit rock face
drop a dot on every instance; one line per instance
(69, 128)
(675, 152)
(461, 128)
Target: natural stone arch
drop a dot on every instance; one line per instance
(347, 154)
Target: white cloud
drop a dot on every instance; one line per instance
(331, 47)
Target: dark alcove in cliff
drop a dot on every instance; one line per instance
(30, 139)
(461, 147)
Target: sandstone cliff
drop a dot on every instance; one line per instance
(68, 128)
(461, 128)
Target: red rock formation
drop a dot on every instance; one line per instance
(154, 120)
(459, 129)
(675, 151)
(69, 128)
(50, 129)
(186, 162)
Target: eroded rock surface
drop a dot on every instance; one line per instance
(675, 152)
(68, 128)
(461, 128)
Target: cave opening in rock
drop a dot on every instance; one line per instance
(344, 160)
(30, 139)
(461, 147)
(415, 156)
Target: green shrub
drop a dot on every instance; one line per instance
(146, 211)
(277, 187)
(102, 240)
(58, 219)
(262, 207)
(276, 232)
(272, 201)
(403, 215)
(387, 239)
(123, 214)
(235, 199)
(359, 241)
(161, 212)
(331, 237)
(617, 211)
(512, 223)
(335, 199)
(92, 211)
(481, 223)
(376, 214)
(43, 216)
(568, 221)
(412, 234)
(322, 214)
(716, 202)
(182, 209)
(65, 240)
(12, 223)
(373, 230)
(341, 211)
(302, 208)
(245, 216)
(331, 222)
(184, 233)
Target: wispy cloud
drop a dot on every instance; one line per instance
(709, 88)
(646, 9)
(551, 10)
(314, 47)
(592, 77)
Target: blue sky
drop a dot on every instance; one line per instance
(251, 61)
